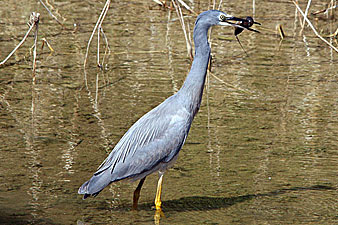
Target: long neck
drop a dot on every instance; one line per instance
(193, 85)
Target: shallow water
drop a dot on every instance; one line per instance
(262, 149)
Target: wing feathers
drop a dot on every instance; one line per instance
(154, 135)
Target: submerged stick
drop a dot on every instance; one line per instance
(34, 19)
(312, 27)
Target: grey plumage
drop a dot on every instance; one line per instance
(154, 141)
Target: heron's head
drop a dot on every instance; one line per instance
(216, 17)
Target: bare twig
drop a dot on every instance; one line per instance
(314, 29)
(98, 24)
(50, 13)
(34, 19)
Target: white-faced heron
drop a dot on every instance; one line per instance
(154, 141)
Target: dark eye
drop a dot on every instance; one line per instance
(222, 17)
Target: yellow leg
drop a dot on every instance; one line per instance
(158, 202)
(137, 193)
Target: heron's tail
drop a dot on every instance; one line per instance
(95, 185)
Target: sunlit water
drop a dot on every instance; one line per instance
(262, 150)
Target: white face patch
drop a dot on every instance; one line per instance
(222, 19)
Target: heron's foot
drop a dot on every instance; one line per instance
(158, 214)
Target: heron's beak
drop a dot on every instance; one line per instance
(235, 19)
(237, 22)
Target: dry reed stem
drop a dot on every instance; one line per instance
(98, 47)
(220, 5)
(50, 13)
(280, 31)
(181, 19)
(190, 41)
(98, 23)
(34, 19)
(313, 28)
(35, 43)
(187, 7)
(214, 4)
(299, 16)
(159, 2)
(98, 39)
(306, 13)
(107, 49)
